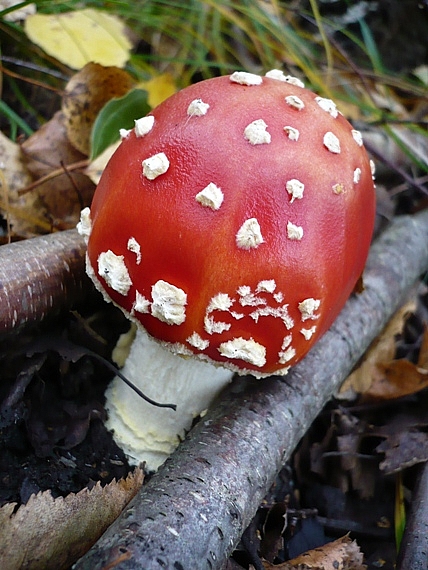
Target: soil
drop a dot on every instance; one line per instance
(52, 434)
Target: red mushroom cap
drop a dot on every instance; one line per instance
(234, 221)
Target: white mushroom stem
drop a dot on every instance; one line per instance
(149, 433)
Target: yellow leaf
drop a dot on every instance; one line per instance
(158, 88)
(76, 38)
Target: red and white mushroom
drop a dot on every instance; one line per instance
(231, 224)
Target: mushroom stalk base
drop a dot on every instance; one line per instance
(149, 433)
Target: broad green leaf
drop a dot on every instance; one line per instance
(117, 114)
(76, 38)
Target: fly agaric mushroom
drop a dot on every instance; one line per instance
(231, 225)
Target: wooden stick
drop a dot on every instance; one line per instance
(193, 512)
(414, 546)
(41, 276)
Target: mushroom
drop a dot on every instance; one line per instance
(231, 225)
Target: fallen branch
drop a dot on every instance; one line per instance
(193, 511)
(414, 546)
(41, 276)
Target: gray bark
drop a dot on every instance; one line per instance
(192, 513)
(414, 545)
(41, 276)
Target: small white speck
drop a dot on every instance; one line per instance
(249, 234)
(256, 132)
(173, 531)
(279, 74)
(211, 196)
(169, 303)
(357, 175)
(197, 108)
(338, 188)
(295, 188)
(276, 74)
(287, 341)
(295, 102)
(266, 286)
(357, 136)
(112, 269)
(134, 246)
(242, 349)
(144, 125)
(307, 333)
(215, 327)
(245, 78)
(308, 307)
(372, 168)
(292, 133)
(155, 165)
(331, 142)
(220, 302)
(141, 304)
(124, 133)
(84, 227)
(327, 105)
(286, 355)
(294, 232)
(197, 341)
(294, 81)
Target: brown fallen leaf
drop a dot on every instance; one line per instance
(381, 350)
(48, 533)
(341, 554)
(63, 191)
(14, 176)
(398, 378)
(85, 95)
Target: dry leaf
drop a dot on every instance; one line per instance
(49, 533)
(405, 440)
(398, 378)
(85, 95)
(76, 38)
(96, 167)
(341, 554)
(24, 218)
(381, 350)
(158, 88)
(61, 197)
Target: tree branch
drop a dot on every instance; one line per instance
(41, 276)
(192, 513)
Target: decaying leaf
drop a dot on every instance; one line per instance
(96, 166)
(341, 554)
(49, 533)
(78, 37)
(60, 197)
(405, 441)
(273, 528)
(398, 378)
(24, 219)
(85, 95)
(381, 350)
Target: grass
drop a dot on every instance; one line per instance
(204, 38)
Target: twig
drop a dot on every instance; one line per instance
(414, 546)
(41, 276)
(193, 512)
